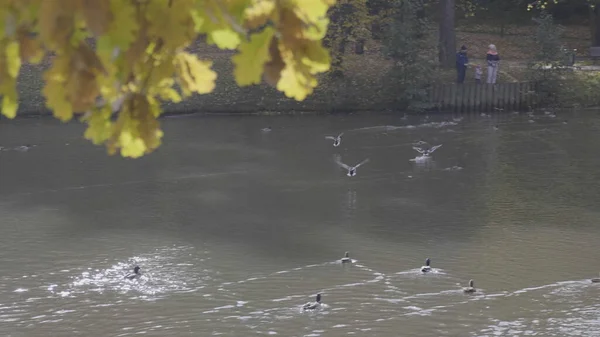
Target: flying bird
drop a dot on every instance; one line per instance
(351, 169)
(426, 151)
(336, 140)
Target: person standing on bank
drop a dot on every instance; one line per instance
(462, 62)
(493, 61)
(478, 73)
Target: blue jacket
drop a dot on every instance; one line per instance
(461, 60)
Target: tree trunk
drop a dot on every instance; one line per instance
(447, 46)
(595, 22)
(359, 47)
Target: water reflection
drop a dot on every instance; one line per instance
(424, 163)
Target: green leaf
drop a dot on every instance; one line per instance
(252, 56)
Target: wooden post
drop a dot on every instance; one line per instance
(468, 101)
(465, 98)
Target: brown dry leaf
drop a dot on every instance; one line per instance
(82, 90)
(56, 20)
(29, 48)
(138, 47)
(97, 15)
(274, 67)
(86, 58)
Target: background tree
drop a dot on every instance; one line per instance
(447, 34)
(406, 39)
(140, 58)
(592, 5)
(595, 25)
(350, 22)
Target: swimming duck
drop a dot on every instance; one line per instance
(426, 151)
(427, 267)
(267, 129)
(470, 289)
(313, 305)
(346, 258)
(136, 274)
(596, 280)
(351, 169)
(24, 148)
(336, 140)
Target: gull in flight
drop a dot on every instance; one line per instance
(351, 169)
(336, 140)
(426, 151)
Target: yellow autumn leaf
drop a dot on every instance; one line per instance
(317, 30)
(55, 92)
(258, 13)
(131, 146)
(224, 38)
(198, 20)
(13, 58)
(162, 73)
(195, 75)
(148, 127)
(296, 83)
(172, 22)
(169, 94)
(297, 78)
(315, 57)
(124, 27)
(309, 10)
(56, 100)
(99, 125)
(221, 21)
(139, 56)
(252, 56)
(10, 102)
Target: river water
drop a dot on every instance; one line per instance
(235, 228)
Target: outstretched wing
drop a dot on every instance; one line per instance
(340, 135)
(337, 161)
(361, 163)
(435, 148)
(418, 149)
(330, 137)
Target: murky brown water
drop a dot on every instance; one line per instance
(235, 229)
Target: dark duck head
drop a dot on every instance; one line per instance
(135, 274)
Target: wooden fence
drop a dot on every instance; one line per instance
(472, 97)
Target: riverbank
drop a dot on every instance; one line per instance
(365, 85)
(358, 90)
